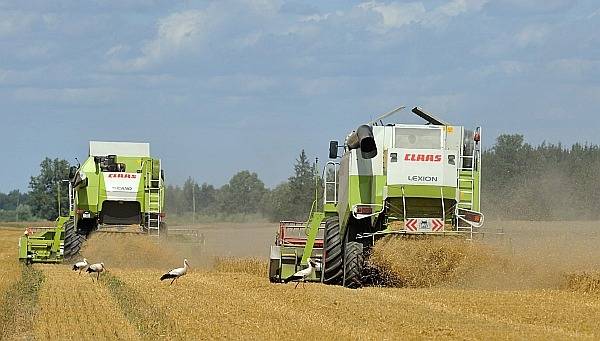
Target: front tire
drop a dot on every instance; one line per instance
(73, 239)
(333, 271)
(354, 265)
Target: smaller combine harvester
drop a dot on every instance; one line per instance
(392, 179)
(118, 188)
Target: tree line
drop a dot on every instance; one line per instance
(519, 181)
(544, 182)
(244, 196)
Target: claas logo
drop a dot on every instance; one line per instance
(423, 157)
(122, 175)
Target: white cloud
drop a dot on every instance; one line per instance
(443, 13)
(315, 17)
(116, 50)
(397, 14)
(73, 96)
(501, 68)
(177, 33)
(12, 23)
(532, 35)
(575, 68)
(594, 13)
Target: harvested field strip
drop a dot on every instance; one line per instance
(65, 293)
(150, 320)
(552, 313)
(19, 303)
(211, 305)
(10, 270)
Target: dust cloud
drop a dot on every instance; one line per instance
(509, 256)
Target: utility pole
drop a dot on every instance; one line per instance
(17, 208)
(194, 203)
(58, 195)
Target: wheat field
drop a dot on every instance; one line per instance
(233, 299)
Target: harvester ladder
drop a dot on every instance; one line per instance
(465, 186)
(152, 188)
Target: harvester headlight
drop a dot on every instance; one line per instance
(82, 175)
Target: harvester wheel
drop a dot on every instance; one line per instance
(73, 239)
(354, 264)
(334, 270)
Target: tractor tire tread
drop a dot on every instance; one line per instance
(333, 271)
(73, 240)
(354, 265)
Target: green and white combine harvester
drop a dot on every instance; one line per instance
(392, 179)
(118, 188)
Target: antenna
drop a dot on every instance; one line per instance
(380, 118)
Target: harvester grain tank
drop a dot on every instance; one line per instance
(392, 179)
(118, 188)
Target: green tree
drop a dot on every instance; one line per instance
(190, 189)
(277, 204)
(24, 213)
(12, 199)
(174, 199)
(302, 187)
(44, 189)
(206, 198)
(243, 194)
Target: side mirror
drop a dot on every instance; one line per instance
(72, 172)
(333, 149)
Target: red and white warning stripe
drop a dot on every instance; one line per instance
(411, 225)
(437, 225)
(424, 225)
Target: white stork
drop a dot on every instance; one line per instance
(97, 268)
(79, 266)
(301, 275)
(176, 273)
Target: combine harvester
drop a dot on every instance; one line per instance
(119, 188)
(393, 179)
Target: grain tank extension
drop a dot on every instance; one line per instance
(392, 179)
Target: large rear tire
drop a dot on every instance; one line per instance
(334, 271)
(73, 239)
(354, 265)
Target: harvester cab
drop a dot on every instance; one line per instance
(118, 188)
(392, 179)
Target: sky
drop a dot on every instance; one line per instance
(222, 86)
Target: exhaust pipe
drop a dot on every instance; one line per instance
(363, 138)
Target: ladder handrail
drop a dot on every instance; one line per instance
(469, 180)
(152, 199)
(334, 182)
